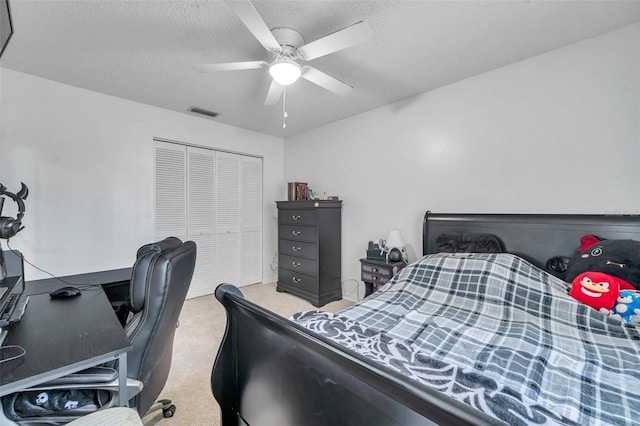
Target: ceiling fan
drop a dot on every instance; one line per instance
(286, 48)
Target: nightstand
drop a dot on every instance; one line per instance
(376, 273)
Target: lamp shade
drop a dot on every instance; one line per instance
(285, 71)
(394, 239)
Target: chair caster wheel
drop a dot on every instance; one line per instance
(169, 411)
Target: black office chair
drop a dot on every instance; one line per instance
(160, 279)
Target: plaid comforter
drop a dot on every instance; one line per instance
(506, 335)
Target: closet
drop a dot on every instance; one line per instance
(215, 199)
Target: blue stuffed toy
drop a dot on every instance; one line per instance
(627, 307)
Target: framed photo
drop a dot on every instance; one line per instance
(6, 28)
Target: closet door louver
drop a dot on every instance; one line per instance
(170, 191)
(201, 218)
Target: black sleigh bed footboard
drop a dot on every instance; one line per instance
(271, 371)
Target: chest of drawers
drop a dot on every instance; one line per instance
(309, 259)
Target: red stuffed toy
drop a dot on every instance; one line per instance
(597, 289)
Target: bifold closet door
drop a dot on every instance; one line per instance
(251, 224)
(201, 218)
(184, 206)
(228, 217)
(239, 218)
(170, 191)
(215, 199)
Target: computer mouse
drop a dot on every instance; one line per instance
(64, 292)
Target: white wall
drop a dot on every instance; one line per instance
(88, 161)
(557, 133)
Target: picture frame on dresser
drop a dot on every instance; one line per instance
(309, 250)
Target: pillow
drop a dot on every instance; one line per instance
(454, 242)
(620, 258)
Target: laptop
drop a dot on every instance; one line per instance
(13, 301)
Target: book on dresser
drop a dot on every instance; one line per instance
(298, 191)
(309, 247)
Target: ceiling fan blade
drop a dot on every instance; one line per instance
(346, 37)
(231, 66)
(275, 91)
(326, 81)
(253, 21)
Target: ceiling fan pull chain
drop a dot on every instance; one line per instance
(284, 108)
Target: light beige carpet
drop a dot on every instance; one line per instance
(202, 324)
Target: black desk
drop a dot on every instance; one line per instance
(63, 336)
(115, 282)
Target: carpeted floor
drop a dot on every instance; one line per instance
(202, 324)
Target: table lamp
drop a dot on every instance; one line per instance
(395, 240)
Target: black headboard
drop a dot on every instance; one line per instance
(535, 237)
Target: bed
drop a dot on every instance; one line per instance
(454, 338)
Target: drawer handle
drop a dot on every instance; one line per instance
(296, 233)
(296, 217)
(295, 264)
(294, 248)
(374, 269)
(296, 279)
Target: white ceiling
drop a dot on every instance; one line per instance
(145, 50)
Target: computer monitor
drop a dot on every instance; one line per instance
(15, 268)
(14, 262)
(6, 27)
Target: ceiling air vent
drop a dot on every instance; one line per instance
(204, 112)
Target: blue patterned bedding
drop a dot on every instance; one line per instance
(499, 334)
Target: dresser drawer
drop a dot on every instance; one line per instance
(386, 271)
(306, 217)
(298, 233)
(301, 281)
(375, 279)
(298, 264)
(298, 249)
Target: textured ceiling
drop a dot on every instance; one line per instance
(145, 50)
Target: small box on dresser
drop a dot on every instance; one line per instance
(309, 246)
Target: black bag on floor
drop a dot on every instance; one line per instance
(22, 405)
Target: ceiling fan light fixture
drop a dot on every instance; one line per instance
(285, 71)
